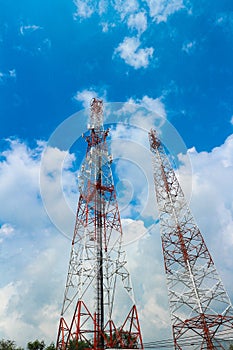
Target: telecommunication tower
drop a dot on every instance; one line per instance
(97, 261)
(201, 311)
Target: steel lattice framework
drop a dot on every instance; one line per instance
(97, 261)
(200, 307)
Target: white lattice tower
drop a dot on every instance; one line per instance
(97, 261)
(201, 311)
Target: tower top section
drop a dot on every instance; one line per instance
(96, 116)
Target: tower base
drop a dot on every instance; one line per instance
(85, 333)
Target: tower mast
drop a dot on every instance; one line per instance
(97, 128)
(200, 307)
(97, 261)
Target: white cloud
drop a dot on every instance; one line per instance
(22, 179)
(39, 43)
(189, 47)
(9, 296)
(12, 73)
(146, 112)
(37, 274)
(160, 10)
(138, 21)
(130, 51)
(58, 188)
(20, 185)
(9, 75)
(125, 8)
(102, 7)
(131, 155)
(106, 26)
(21, 194)
(220, 20)
(32, 250)
(132, 159)
(29, 29)
(225, 21)
(85, 96)
(155, 105)
(5, 230)
(32, 301)
(84, 8)
(145, 259)
(231, 121)
(212, 201)
(131, 12)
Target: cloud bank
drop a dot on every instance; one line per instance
(35, 254)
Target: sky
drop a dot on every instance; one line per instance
(160, 63)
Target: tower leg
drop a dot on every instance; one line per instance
(201, 311)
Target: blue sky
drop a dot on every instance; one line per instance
(174, 58)
(187, 50)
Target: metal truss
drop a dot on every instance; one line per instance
(199, 305)
(97, 261)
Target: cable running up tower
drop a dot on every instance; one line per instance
(97, 261)
(200, 307)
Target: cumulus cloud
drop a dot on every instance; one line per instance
(84, 9)
(130, 150)
(133, 13)
(21, 180)
(155, 105)
(58, 187)
(135, 16)
(36, 255)
(146, 112)
(85, 96)
(138, 21)
(130, 51)
(21, 192)
(212, 201)
(160, 10)
(106, 26)
(125, 8)
(102, 6)
(145, 259)
(5, 231)
(35, 292)
(33, 254)
(132, 162)
(9, 295)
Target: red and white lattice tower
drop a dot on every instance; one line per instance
(97, 261)
(201, 311)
